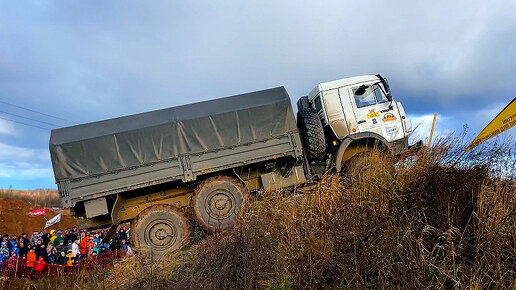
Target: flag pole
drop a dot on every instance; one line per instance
(432, 132)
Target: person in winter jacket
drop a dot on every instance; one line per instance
(50, 247)
(22, 248)
(11, 262)
(31, 258)
(91, 246)
(70, 259)
(125, 247)
(52, 236)
(52, 258)
(84, 247)
(58, 239)
(61, 247)
(45, 237)
(26, 241)
(61, 260)
(69, 245)
(38, 266)
(14, 245)
(75, 248)
(71, 236)
(5, 242)
(4, 252)
(41, 251)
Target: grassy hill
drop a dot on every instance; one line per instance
(442, 219)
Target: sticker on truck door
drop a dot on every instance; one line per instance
(372, 114)
(389, 117)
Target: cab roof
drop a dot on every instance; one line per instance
(341, 83)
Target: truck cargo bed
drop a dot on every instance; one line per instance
(178, 143)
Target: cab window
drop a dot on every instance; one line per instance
(364, 96)
(380, 96)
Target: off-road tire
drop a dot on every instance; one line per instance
(358, 166)
(161, 228)
(312, 133)
(218, 201)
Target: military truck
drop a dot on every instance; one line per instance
(163, 170)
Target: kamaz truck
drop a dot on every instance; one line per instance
(165, 169)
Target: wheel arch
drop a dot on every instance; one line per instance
(351, 145)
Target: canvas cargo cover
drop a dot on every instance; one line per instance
(151, 137)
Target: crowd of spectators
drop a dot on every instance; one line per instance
(57, 248)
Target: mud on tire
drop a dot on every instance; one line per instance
(218, 201)
(161, 228)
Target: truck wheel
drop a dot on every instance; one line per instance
(358, 166)
(312, 133)
(217, 201)
(160, 228)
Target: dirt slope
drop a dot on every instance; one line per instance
(15, 220)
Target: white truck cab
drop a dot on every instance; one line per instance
(360, 104)
(356, 108)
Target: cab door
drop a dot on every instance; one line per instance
(374, 113)
(335, 114)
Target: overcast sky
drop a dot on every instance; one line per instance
(85, 61)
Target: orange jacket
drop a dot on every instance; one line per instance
(84, 246)
(31, 258)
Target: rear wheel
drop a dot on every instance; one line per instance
(312, 133)
(218, 201)
(160, 228)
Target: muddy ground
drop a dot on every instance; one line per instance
(14, 218)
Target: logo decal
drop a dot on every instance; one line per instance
(372, 114)
(388, 117)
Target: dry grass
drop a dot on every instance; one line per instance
(38, 197)
(441, 219)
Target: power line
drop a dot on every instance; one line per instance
(30, 125)
(19, 116)
(20, 107)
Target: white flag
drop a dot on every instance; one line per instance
(53, 221)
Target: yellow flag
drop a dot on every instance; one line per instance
(505, 120)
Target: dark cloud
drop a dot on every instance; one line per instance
(92, 60)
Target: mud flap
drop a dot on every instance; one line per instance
(114, 219)
(273, 180)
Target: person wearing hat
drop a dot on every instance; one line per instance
(61, 259)
(38, 266)
(84, 247)
(70, 259)
(31, 258)
(52, 236)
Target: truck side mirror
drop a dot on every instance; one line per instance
(360, 91)
(389, 97)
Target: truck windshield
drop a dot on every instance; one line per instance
(380, 96)
(365, 99)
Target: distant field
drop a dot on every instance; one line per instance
(41, 197)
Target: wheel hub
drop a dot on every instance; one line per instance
(220, 205)
(161, 234)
